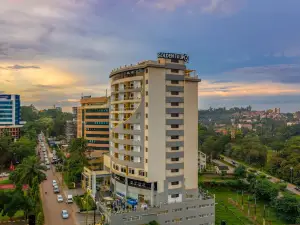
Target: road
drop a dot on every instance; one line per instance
(52, 209)
(290, 187)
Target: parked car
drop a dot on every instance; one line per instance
(54, 183)
(55, 189)
(60, 198)
(69, 199)
(4, 174)
(297, 188)
(64, 214)
(48, 167)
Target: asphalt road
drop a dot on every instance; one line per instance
(52, 209)
(290, 186)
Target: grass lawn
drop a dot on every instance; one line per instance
(19, 214)
(7, 181)
(233, 215)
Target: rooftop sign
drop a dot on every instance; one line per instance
(165, 55)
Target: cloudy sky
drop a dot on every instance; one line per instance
(247, 52)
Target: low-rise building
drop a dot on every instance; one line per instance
(221, 169)
(97, 177)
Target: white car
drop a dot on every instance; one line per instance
(55, 189)
(54, 183)
(64, 214)
(60, 198)
(4, 174)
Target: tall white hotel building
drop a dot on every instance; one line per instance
(154, 142)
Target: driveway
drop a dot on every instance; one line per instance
(290, 187)
(219, 163)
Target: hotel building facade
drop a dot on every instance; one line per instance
(10, 115)
(154, 142)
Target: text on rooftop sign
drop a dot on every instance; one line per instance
(165, 55)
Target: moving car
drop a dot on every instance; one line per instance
(64, 214)
(69, 199)
(48, 167)
(60, 198)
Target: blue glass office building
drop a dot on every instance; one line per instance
(10, 110)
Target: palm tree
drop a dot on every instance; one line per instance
(28, 170)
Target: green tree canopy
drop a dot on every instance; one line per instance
(27, 171)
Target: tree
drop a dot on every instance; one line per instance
(287, 207)
(153, 223)
(23, 148)
(29, 113)
(240, 171)
(265, 190)
(16, 201)
(5, 149)
(28, 170)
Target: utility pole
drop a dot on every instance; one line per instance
(94, 216)
(243, 200)
(291, 174)
(255, 208)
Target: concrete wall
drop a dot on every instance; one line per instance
(156, 127)
(188, 213)
(191, 135)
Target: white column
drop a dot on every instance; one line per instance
(94, 184)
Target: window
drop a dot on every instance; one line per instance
(146, 160)
(146, 138)
(174, 159)
(141, 173)
(146, 92)
(175, 60)
(174, 114)
(174, 148)
(174, 93)
(146, 104)
(146, 81)
(174, 71)
(131, 171)
(146, 127)
(123, 169)
(146, 70)
(174, 126)
(174, 81)
(174, 195)
(174, 170)
(175, 137)
(146, 115)
(174, 103)
(175, 183)
(146, 149)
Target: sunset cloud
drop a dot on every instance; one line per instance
(209, 88)
(51, 52)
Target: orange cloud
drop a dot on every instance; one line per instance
(208, 88)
